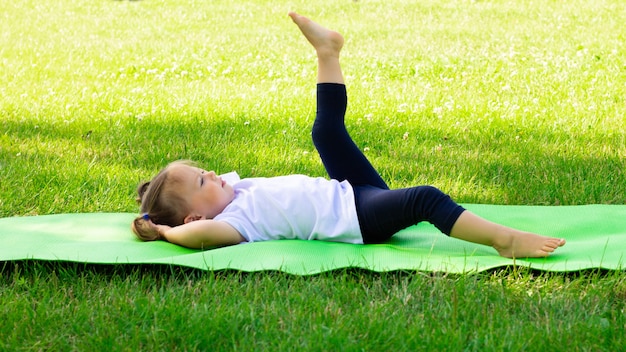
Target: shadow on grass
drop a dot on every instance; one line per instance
(542, 167)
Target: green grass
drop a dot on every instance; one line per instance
(492, 101)
(159, 308)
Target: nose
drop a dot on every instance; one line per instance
(212, 175)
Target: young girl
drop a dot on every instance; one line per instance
(191, 207)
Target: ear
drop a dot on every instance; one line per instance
(193, 217)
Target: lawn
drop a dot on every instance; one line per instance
(495, 102)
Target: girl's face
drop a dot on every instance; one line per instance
(205, 192)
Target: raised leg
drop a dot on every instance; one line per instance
(342, 158)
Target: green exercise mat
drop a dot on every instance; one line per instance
(596, 238)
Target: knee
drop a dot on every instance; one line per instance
(430, 198)
(322, 132)
(431, 192)
(316, 132)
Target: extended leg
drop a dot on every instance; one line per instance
(382, 213)
(510, 243)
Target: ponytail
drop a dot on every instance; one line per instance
(145, 229)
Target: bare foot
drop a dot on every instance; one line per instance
(326, 42)
(527, 245)
(509, 242)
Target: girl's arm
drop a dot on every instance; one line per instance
(202, 234)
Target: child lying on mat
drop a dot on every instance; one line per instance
(191, 207)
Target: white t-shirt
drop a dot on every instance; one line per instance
(292, 207)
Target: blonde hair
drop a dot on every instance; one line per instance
(160, 204)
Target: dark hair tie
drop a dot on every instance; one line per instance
(145, 216)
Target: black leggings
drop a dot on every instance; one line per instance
(382, 212)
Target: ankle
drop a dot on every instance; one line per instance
(503, 240)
